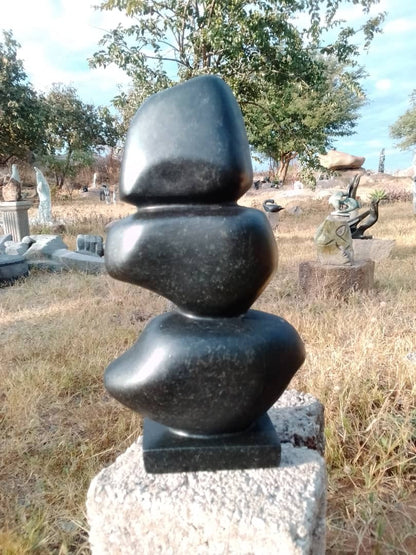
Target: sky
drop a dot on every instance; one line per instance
(58, 36)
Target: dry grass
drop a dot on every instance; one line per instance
(58, 332)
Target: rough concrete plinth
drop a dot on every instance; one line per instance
(269, 510)
(15, 218)
(336, 280)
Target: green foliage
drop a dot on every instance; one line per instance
(378, 195)
(21, 110)
(296, 91)
(74, 132)
(404, 129)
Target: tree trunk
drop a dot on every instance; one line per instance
(285, 159)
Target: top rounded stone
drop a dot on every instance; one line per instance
(187, 144)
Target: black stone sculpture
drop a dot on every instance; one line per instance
(269, 205)
(205, 374)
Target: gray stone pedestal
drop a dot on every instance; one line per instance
(15, 218)
(261, 511)
(336, 280)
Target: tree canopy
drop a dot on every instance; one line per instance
(74, 131)
(58, 129)
(404, 129)
(297, 87)
(21, 111)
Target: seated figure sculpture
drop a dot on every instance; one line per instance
(204, 374)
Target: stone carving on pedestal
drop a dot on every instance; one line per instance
(12, 187)
(44, 192)
(348, 204)
(333, 240)
(272, 212)
(204, 374)
(381, 161)
(337, 271)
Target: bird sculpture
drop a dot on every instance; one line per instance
(269, 205)
(369, 218)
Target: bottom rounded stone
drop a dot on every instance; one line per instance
(207, 376)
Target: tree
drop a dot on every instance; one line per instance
(278, 72)
(75, 131)
(21, 110)
(404, 129)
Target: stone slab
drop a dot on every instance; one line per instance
(165, 451)
(44, 246)
(45, 265)
(336, 280)
(271, 510)
(80, 262)
(13, 248)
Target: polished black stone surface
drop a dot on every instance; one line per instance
(207, 376)
(187, 144)
(165, 451)
(208, 260)
(213, 367)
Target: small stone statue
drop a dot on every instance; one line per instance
(44, 193)
(334, 242)
(272, 212)
(12, 187)
(90, 244)
(381, 161)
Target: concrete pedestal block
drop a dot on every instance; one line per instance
(261, 511)
(337, 281)
(15, 218)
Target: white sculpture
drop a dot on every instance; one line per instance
(15, 173)
(44, 192)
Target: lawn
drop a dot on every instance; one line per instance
(60, 427)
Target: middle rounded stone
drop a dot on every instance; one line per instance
(208, 260)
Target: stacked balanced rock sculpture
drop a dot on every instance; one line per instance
(205, 374)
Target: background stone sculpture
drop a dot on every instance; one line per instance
(333, 241)
(206, 373)
(44, 192)
(336, 160)
(12, 187)
(346, 203)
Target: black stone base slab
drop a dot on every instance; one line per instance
(165, 451)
